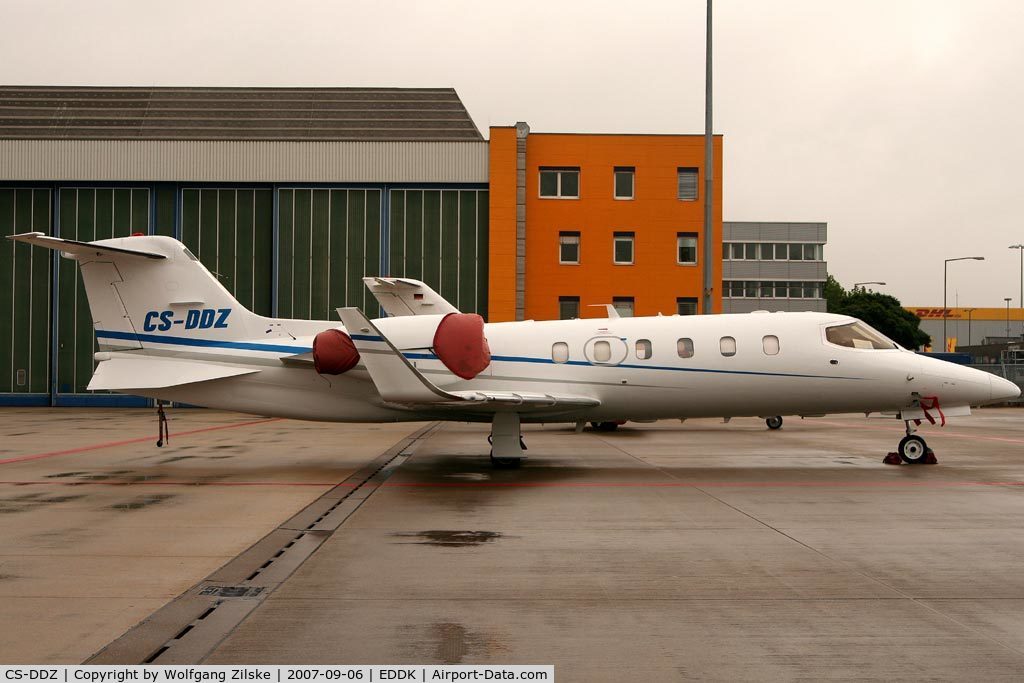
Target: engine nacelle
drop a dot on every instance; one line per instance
(460, 344)
(334, 352)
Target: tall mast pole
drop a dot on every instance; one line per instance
(709, 173)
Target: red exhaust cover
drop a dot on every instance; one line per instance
(461, 345)
(334, 352)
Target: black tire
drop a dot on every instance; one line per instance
(913, 449)
(506, 463)
(774, 422)
(606, 426)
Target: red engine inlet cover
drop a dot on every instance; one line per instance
(334, 352)
(461, 345)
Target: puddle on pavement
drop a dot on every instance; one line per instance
(452, 643)
(142, 502)
(32, 501)
(452, 539)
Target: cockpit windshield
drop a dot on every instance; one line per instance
(858, 335)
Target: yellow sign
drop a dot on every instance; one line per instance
(986, 314)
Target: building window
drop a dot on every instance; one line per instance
(568, 307)
(727, 346)
(753, 289)
(624, 182)
(644, 349)
(686, 248)
(685, 347)
(622, 253)
(569, 247)
(687, 184)
(560, 352)
(561, 183)
(770, 343)
(624, 305)
(686, 305)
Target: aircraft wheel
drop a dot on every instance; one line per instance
(774, 422)
(506, 463)
(605, 426)
(913, 449)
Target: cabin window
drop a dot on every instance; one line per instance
(602, 352)
(685, 347)
(560, 352)
(644, 350)
(771, 344)
(727, 346)
(858, 335)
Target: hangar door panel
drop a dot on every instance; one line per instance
(440, 237)
(24, 293)
(329, 240)
(231, 232)
(87, 214)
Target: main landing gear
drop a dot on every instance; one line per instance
(912, 450)
(506, 441)
(774, 422)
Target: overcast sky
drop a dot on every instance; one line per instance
(898, 122)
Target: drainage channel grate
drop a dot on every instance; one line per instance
(152, 640)
(233, 591)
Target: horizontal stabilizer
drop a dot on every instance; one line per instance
(133, 371)
(401, 296)
(76, 248)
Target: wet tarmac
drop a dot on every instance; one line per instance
(660, 551)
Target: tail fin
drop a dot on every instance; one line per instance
(147, 287)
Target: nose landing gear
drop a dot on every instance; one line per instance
(774, 422)
(913, 450)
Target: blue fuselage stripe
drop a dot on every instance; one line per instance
(207, 343)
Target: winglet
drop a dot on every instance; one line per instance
(402, 296)
(396, 379)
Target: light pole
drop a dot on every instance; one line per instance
(858, 284)
(1020, 248)
(1008, 299)
(945, 311)
(969, 311)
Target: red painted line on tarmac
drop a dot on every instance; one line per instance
(141, 439)
(930, 433)
(536, 484)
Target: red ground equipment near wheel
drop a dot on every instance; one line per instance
(460, 344)
(334, 352)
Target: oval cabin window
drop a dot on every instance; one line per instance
(771, 344)
(602, 352)
(685, 347)
(728, 346)
(644, 350)
(560, 352)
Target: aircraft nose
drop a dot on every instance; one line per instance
(1002, 389)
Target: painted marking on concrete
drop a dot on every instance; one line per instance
(537, 484)
(141, 439)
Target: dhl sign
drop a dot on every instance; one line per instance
(975, 314)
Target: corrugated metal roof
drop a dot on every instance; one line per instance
(297, 114)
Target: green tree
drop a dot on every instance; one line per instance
(881, 311)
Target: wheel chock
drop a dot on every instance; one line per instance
(894, 458)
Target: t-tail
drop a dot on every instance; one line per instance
(147, 290)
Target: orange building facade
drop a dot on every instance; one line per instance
(580, 220)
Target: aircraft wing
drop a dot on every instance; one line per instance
(401, 296)
(121, 372)
(76, 248)
(398, 381)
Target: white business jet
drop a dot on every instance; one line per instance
(167, 329)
